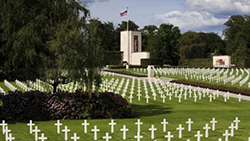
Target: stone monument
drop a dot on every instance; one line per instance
(223, 61)
(131, 46)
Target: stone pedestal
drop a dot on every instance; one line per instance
(150, 71)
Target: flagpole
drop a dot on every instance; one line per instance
(128, 20)
(129, 57)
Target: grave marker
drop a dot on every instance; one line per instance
(85, 124)
(124, 130)
(107, 137)
(66, 131)
(164, 123)
(226, 135)
(198, 135)
(169, 136)
(152, 129)
(112, 124)
(189, 122)
(42, 138)
(213, 123)
(180, 129)
(58, 124)
(36, 131)
(95, 130)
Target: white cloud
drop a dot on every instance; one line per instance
(190, 20)
(89, 2)
(224, 7)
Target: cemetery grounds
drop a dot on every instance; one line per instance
(151, 108)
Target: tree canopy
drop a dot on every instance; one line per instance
(237, 36)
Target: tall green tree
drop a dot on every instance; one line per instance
(162, 42)
(237, 36)
(194, 45)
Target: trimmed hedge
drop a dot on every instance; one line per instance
(113, 57)
(198, 63)
(19, 106)
(241, 62)
(124, 72)
(146, 62)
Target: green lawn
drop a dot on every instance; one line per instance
(153, 113)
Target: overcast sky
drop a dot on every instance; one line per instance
(198, 15)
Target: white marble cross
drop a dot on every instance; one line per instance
(75, 137)
(195, 98)
(213, 123)
(232, 127)
(85, 124)
(236, 121)
(3, 124)
(95, 130)
(139, 96)
(226, 135)
(138, 123)
(180, 97)
(58, 124)
(147, 98)
(107, 137)
(169, 136)
(31, 124)
(210, 98)
(152, 129)
(36, 131)
(42, 138)
(10, 138)
(6, 132)
(170, 96)
(124, 130)
(180, 129)
(198, 135)
(138, 136)
(164, 123)
(130, 98)
(163, 98)
(206, 128)
(239, 97)
(189, 122)
(112, 125)
(66, 131)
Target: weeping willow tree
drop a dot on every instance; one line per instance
(50, 40)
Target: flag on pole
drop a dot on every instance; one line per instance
(124, 13)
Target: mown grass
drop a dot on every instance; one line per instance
(152, 113)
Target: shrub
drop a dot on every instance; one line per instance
(241, 62)
(113, 57)
(19, 106)
(146, 62)
(198, 63)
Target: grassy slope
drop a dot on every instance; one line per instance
(153, 113)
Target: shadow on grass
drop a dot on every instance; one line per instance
(149, 110)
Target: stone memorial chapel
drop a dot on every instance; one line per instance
(131, 46)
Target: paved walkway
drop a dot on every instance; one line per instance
(167, 80)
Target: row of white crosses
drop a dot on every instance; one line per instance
(36, 86)
(211, 126)
(161, 90)
(9, 85)
(215, 75)
(22, 85)
(33, 129)
(6, 131)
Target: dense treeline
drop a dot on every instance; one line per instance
(43, 38)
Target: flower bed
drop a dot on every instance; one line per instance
(19, 106)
